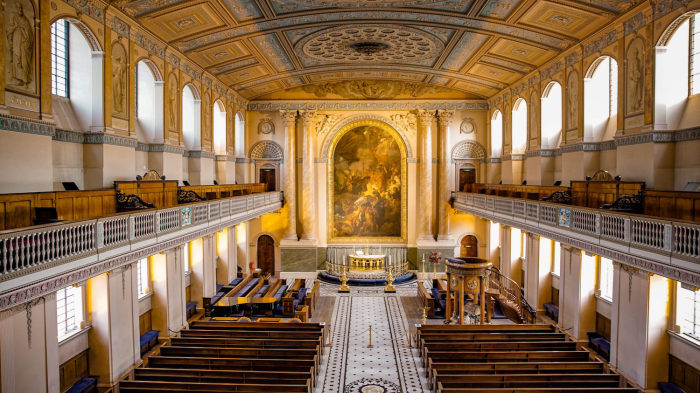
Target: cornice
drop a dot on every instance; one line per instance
(378, 105)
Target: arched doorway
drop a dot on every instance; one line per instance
(267, 177)
(467, 176)
(469, 247)
(266, 254)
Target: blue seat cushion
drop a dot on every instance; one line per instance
(602, 343)
(235, 281)
(148, 337)
(280, 292)
(436, 293)
(191, 306)
(83, 385)
(218, 287)
(262, 290)
(302, 294)
(667, 387)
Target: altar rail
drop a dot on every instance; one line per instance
(672, 243)
(397, 269)
(17, 210)
(52, 245)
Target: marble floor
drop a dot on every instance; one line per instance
(350, 365)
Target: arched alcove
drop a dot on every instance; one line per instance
(219, 124)
(600, 100)
(467, 156)
(267, 156)
(552, 112)
(519, 127)
(496, 134)
(149, 102)
(191, 118)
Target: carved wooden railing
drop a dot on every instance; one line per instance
(17, 210)
(511, 295)
(631, 197)
(67, 241)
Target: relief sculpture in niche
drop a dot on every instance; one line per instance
(572, 101)
(172, 102)
(534, 121)
(119, 69)
(635, 76)
(367, 183)
(20, 45)
(206, 115)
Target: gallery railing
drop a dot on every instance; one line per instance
(54, 244)
(666, 241)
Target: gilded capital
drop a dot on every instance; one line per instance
(425, 118)
(444, 116)
(307, 118)
(288, 117)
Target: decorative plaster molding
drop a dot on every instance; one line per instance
(342, 105)
(18, 124)
(225, 157)
(107, 139)
(200, 154)
(160, 148)
(339, 125)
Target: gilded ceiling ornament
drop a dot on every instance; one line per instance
(467, 126)
(266, 126)
(370, 44)
(405, 121)
(324, 123)
(373, 90)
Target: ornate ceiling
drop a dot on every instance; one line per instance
(467, 48)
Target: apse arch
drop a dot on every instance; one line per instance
(342, 124)
(370, 214)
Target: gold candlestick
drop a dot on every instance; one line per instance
(389, 288)
(424, 315)
(422, 274)
(344, 288)
(434, 271)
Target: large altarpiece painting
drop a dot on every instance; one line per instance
(367, 184)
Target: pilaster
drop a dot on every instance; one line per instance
(289, 188)
(308, 189)
(425, 176)
(444, 234)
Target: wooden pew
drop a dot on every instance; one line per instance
(312, 298)
(162, 386)
(441, 389)
(222, 376)
(531, 381)
(238, 342)
(248, 334)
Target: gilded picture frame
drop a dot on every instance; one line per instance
(332, 239)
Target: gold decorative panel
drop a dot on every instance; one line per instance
(444, 43)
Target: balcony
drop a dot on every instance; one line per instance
(664, 246)
(40, 259)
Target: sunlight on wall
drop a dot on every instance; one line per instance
(551, 116)
(496, 134)
(519, 126)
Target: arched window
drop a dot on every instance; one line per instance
(551, 116)
(519, 126)
(219, 115)
(600, 100)
(73, 76)
(191, 118)
(496, 134)
(677, 71)
(149, 102)
(240, 135)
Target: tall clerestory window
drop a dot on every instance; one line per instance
(688, 310)
(69, 310)
(59, 58)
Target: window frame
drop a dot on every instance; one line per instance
(55, 39)
(78, 311)
(142, 291)
(605, 291)
(695, 311)
(693, 52)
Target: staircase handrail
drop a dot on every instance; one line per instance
(511, 290)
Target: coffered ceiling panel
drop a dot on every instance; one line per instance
(467, 48)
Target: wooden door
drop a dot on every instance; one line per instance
(469, 247)
(266, 254)
(267, 177)
(466, 176)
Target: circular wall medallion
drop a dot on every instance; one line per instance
(372, 385)
(266, 126)
(467, 126)
(371, 43)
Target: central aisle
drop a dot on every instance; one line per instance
(391, 366)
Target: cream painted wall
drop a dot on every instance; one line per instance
(687, 162)
(67, 164)
(26, 160)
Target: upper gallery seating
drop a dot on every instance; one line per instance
(602, 191)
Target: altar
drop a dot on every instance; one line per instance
(366, 262)
(370, 266)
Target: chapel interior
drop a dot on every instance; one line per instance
(350, 196)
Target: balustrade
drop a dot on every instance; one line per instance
(62, 242)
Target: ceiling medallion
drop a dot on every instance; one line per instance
(370, 44)
(368, 48)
